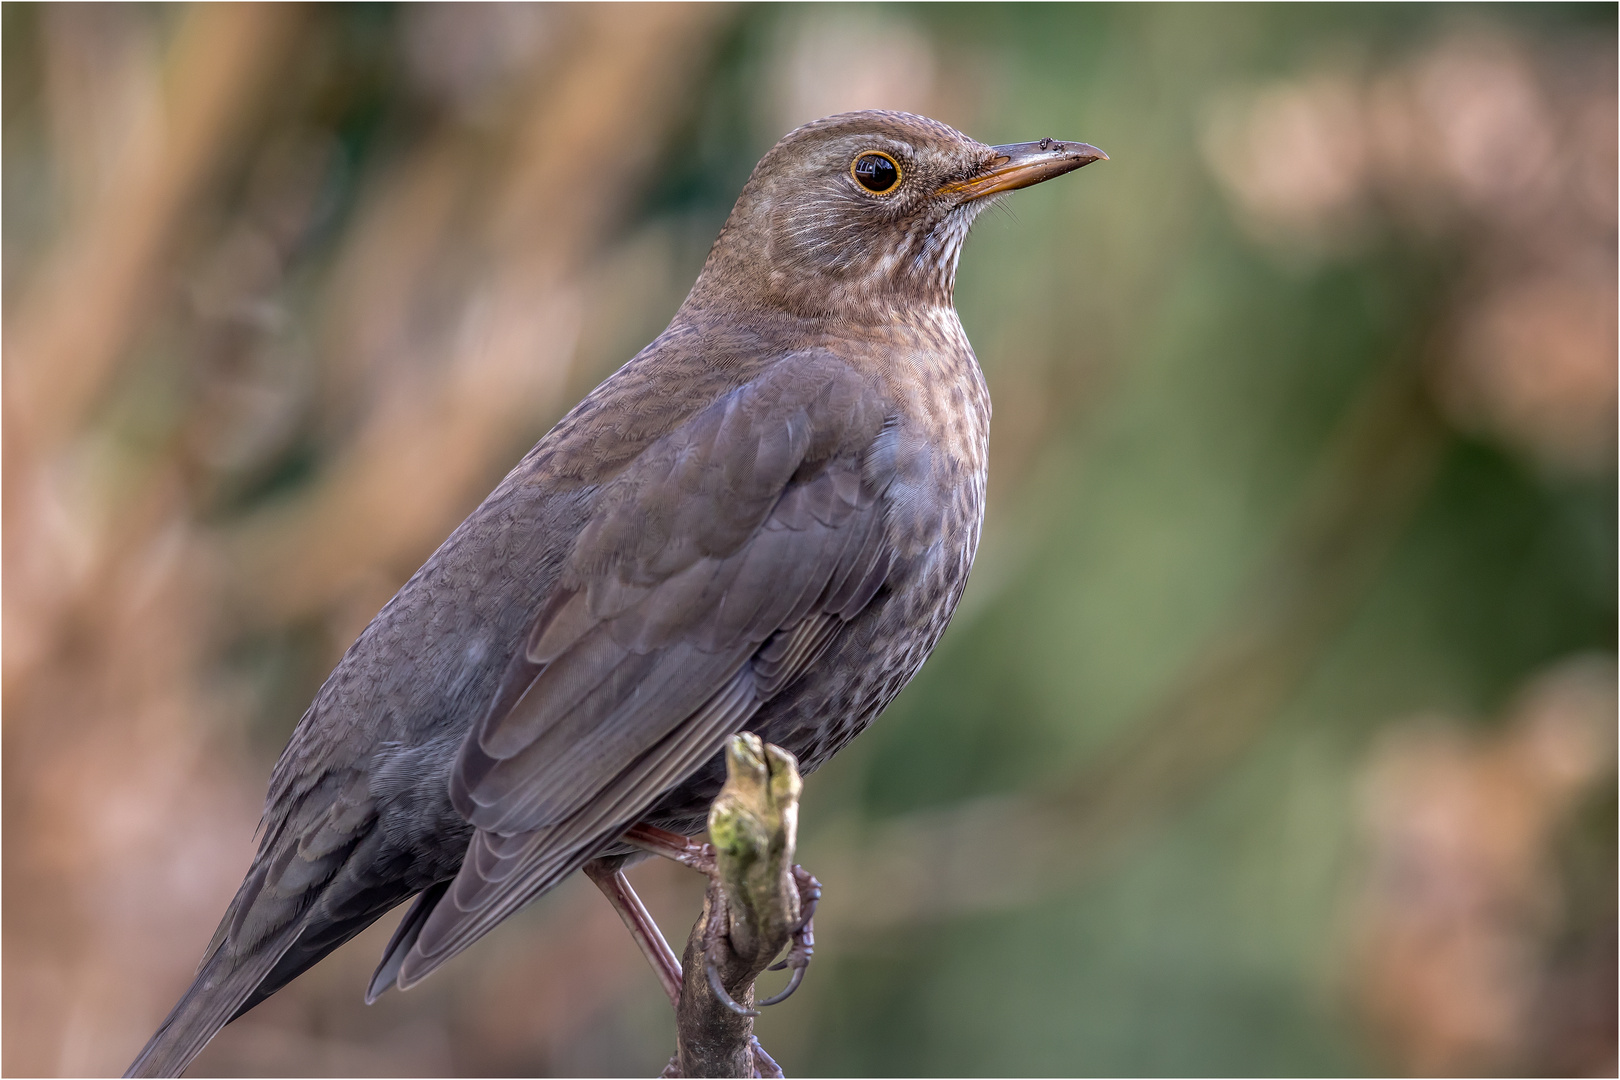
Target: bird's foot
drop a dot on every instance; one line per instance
(804, 935)
(803, 947)
(760, 900)
(714, 953)
(673, 846)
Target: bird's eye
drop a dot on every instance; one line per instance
(876, 171)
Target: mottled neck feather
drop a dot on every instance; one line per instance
(818, 272)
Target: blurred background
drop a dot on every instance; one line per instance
(1276, 732)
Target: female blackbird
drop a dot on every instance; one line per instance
(763, 520)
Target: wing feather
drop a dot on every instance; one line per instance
(712, 572)
(507, 871)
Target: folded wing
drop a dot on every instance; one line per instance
(715, 568)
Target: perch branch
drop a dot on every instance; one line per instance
(752, 911)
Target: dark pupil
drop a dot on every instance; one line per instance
(875, 172)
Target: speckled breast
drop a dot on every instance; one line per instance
(934, 510)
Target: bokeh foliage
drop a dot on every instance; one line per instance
(1294, 619)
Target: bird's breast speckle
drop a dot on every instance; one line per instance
(938, 445)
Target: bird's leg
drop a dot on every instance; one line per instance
(701, 857)
(639, 921)
(757, 903)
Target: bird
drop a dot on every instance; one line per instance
(763, 520)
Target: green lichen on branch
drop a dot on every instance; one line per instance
(753, 827)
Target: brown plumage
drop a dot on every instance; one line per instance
(764, 520)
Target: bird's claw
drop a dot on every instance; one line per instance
(719, 990)
(804, 936)
(797, 959)
(787, 992)
(711, 970)
(701, 857)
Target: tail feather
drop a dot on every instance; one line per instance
(227, 987)
(405, 935)
(442, 931)
(223, 984)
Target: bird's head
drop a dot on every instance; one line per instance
(855, 214)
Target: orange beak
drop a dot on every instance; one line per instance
(1018, 165)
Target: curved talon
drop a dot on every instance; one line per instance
(798, 957)
(793, 984)
(804, 937)
(720, 991)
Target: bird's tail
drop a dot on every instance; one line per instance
(405, 935)
(219, 994)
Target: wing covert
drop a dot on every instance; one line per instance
(714, 569)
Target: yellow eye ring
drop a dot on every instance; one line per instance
(876, 172)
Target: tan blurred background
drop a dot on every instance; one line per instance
(1276, 734)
